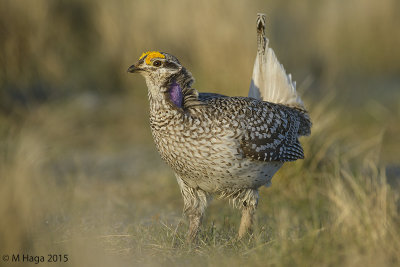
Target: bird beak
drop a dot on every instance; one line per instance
(135, 68)
(132, 69)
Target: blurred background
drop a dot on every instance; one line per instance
(78, 170)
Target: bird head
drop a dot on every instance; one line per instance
(156, 67)
(161, 70)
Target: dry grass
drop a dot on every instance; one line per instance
(60, 47)
(106, 199)
(80, 176)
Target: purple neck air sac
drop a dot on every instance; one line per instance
(175, 94)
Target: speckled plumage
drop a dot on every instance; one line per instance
(226, 142)
(228, 146)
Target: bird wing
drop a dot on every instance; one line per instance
(270, 133)
(265, 131)
(209, 96)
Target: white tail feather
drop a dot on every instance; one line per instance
(270, 81)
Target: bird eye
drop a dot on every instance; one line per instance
(157, 63)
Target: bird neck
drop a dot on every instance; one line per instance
(175, 93)
(184, 78)
(169, 95)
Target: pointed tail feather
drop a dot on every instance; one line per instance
(270, 81)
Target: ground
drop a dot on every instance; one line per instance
(83, 178)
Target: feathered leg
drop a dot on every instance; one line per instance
(249, 206)
(194, 205)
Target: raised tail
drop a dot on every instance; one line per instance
(270, 81)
